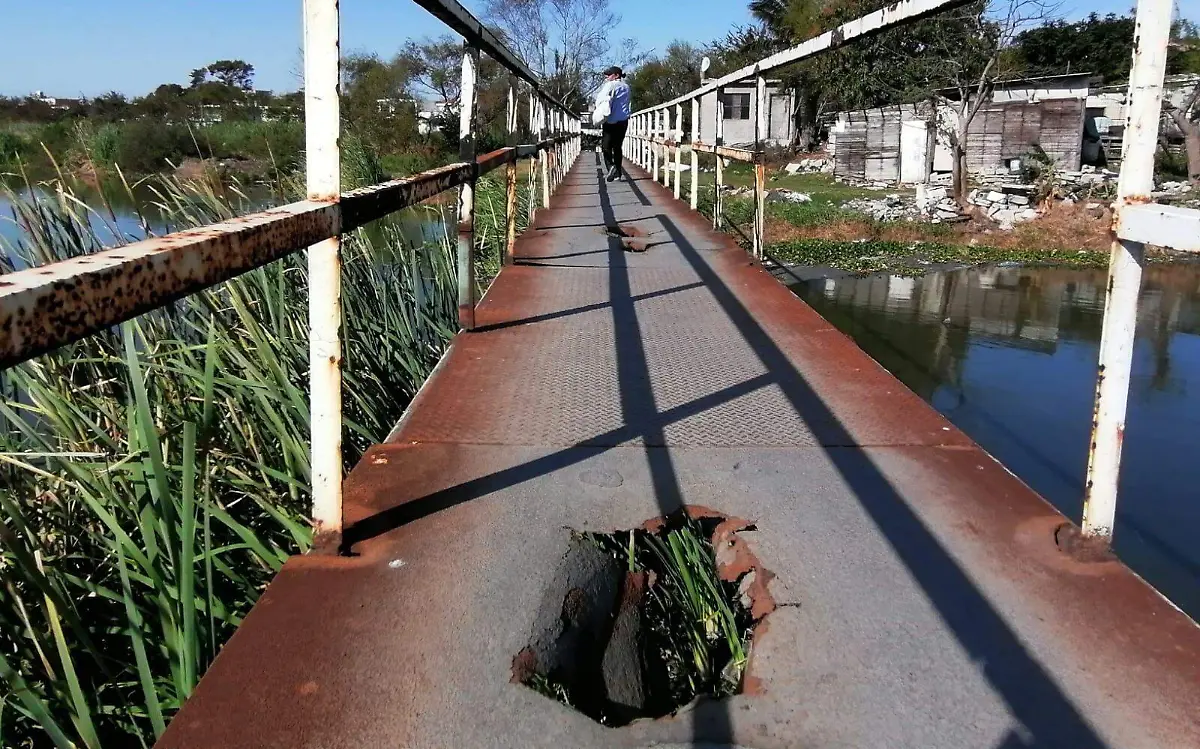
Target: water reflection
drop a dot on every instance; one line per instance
(1009, 355)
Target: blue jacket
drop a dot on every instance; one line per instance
(618, 96)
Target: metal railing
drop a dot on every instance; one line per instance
(657, 131)
(50, 306)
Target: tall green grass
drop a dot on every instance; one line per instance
(155, 476)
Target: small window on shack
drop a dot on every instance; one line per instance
(737, 106)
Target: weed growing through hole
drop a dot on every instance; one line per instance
(692, 634)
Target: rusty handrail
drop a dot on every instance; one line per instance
(52, 305)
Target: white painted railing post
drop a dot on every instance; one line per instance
(719, 140)
(665, 114)
(678, 146)
(510, 206)
(533, 165)
(322, 126)
(653, 146)
(695, 156)
(760, 169)
(1152, 32)
(545, 154)
(641, 142)
(466, 193)
(643, 160)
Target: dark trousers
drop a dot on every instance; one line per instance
(612, 142)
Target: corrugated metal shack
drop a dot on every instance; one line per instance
(893, 143)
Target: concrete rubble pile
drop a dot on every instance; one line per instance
(889, 208)
(809, 166)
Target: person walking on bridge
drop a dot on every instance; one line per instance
(612, 108)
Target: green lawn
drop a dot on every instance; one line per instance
(822, 187)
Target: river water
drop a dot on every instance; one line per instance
(1009, 356)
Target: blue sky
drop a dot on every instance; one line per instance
(88, 47)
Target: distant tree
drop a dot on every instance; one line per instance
(376, 103)
(566, 42)
(673, 74)
(233, 73)
(108, 107)
(435, 66)
(436, 69)
(1184, 54)
(1100, 45)
(237, 74)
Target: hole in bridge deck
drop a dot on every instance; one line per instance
(638, 624)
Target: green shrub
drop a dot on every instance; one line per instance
(12, 147)
(148, 146)
(1170, 166)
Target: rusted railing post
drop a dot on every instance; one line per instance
(466, 193)
(545, 155)
(695, 156)
(719, 140)
(510, 213)
(678, 146)
(1153, 28)
(760, 168)
(322, 127)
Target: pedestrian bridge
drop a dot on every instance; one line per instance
(632, 362)
(629, 362)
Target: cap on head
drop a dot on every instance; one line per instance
(614, 70)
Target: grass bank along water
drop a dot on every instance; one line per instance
(154, 476)
(823, 232)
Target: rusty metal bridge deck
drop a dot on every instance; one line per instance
(922, 599)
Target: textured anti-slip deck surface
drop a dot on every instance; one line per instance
(634, 361)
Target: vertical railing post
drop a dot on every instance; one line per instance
(322, 128)
(719, 140)
(466, 193)
(533, 164)
(644, 132)
(642, 161)
(666, 149)
(545, 155)
(1153, 28)
(510, 213)
(653, 146)
(695, 156)
(678, 146)
(760, 167)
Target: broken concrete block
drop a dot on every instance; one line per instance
(622, 664)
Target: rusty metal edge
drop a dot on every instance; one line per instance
(50, 306)
(747, 155)
(46, 307)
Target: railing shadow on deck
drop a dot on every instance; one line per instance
(1033, 698)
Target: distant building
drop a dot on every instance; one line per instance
(431, 111)
(55, 102)
(741, 106)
